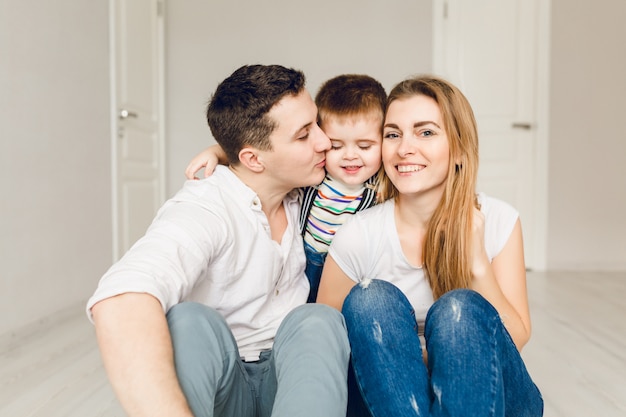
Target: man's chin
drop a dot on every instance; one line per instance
(313, 180)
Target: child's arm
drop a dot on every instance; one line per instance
(209, 159)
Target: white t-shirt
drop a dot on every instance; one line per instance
(211, 243)
(367, 246)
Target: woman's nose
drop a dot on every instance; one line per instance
(406, 147)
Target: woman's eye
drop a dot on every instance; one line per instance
(427, 133)
(391, 135)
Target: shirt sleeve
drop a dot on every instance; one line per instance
(169, 259)
(349, 248)
(500, 219)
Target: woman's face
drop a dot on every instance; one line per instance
(415, 150)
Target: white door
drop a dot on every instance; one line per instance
(491, 49)
(137, 90)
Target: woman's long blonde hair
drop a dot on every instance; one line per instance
(447, 247)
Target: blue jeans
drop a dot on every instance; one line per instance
(303, 375)
(474, 368)
(314, 266)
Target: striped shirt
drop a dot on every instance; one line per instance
(331, 204)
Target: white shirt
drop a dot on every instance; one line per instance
(367, 246)
(211, 243)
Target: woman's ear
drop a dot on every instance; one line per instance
(250, 158)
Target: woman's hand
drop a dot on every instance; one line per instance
(208, 159)
(503, 280)
(480, 260)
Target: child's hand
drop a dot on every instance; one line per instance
(207, 159)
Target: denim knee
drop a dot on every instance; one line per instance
(461, 304)
(457, 312)
(371, 297)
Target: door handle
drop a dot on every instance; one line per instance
(525, 126)
(125, 114)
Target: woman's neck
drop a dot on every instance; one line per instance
(414, 213)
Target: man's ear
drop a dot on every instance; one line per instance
(250, 158)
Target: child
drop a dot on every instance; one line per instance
(350, 111)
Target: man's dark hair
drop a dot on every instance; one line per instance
(238, 111)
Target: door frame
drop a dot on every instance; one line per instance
(114, 110)
(538, 255)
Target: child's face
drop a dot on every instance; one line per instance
(356, 148)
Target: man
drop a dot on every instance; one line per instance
(205, 315)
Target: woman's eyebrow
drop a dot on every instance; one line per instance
(416, 124)
(426, 122)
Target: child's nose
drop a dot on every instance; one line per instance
(350, 153)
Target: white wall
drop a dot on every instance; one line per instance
(587, 151)
(207, 40)
(390, 40)
(55, 238)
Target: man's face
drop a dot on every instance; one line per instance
(297, 158)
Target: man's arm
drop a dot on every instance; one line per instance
(136, 348)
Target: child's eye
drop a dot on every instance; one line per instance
(335, 145)
(365, 147)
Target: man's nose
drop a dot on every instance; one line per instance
(322, 142)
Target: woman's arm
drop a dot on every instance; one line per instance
(503, 281)
(334, 285)
(209, 159)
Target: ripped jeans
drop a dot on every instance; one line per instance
(474, 368)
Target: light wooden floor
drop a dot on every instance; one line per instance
(577, 355)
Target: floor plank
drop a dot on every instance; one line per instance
(577, 354)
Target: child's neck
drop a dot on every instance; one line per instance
(355, 189)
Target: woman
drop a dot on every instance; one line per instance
(432, 282)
